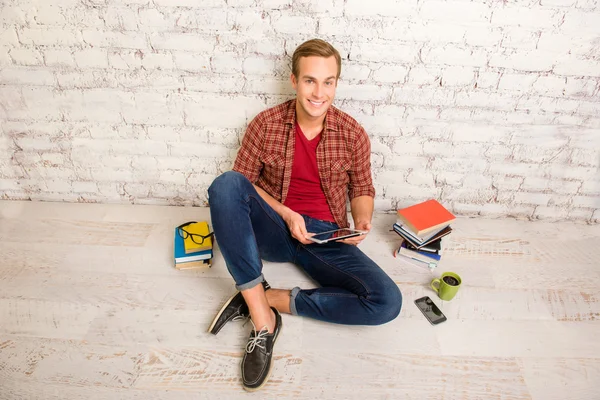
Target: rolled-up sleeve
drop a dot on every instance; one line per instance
(247, 161)
(361, 181)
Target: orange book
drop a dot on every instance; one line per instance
(425, 217)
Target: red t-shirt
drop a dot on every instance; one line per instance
(305, 195)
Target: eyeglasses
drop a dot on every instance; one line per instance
(198, 239)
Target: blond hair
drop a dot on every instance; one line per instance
(315, 47)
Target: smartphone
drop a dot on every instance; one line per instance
(430, 310)
(336, 234)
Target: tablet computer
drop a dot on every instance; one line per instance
(337, 234)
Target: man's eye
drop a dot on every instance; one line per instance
(309, 81)
(328, 83)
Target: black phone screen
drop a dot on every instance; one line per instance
(430, 310)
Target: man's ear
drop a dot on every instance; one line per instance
(294, 82)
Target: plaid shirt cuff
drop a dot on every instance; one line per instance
(362, 191)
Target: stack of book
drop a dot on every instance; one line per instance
(422, 227)
(193, 246)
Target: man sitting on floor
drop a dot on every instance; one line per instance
(298, 164)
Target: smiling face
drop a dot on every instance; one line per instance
(315, 87)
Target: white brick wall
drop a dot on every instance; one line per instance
(491, 107)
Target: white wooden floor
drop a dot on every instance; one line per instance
(91, 308)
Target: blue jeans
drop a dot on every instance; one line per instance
(354, 290)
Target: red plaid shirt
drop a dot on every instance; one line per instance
(343, 156)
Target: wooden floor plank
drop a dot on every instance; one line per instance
(28, 390)
(46, 319)
(554, 276)
(70, 362)
(569, 378)
(520, 338)
(183, 328)
(401, 336)
(75, 232)
(413, 377)
(573, 306)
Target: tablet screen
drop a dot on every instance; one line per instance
(337, 234)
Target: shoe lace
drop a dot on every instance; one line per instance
(258, 340)
(244, 318)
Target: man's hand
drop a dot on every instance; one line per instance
(297, 227)
(361, 226)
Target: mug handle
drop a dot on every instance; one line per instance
(437, 289)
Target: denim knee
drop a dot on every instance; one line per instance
(227, 182)
(388, 304)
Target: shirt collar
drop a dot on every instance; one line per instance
(332, 119)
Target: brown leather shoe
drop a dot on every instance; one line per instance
(234, 309)
(258, 359)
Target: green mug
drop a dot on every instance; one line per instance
(447, 285)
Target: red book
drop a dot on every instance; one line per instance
(425, 217)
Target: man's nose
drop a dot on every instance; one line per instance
(317, 91)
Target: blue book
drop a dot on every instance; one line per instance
(182, 257)
(419, 255)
